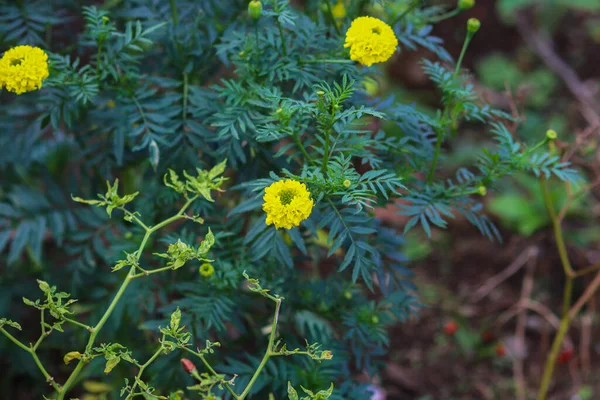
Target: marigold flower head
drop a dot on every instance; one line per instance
(23, 69)
(287, 203)
(370, 40)
(206, 270)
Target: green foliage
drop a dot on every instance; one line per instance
(150, 87)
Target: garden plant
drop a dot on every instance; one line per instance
(240, 149)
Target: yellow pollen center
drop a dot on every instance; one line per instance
(286, 196)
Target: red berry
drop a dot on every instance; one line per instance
(500, 350)
(565, 356)
(450, 328)
(188, 366)
(487, 337)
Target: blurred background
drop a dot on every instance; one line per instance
(538, 60)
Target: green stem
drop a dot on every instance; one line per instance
(15, 340)
(558, 234)
(570, 275)
(36, 359)
(565, 323)
(303, 149)
(130, 276)
(40, 340)
(150, 272)
(143, 367)
(174, 13)
(409, 9)
(268, 353)
(444, 16)
(463, 51)
(185, 97)
(442, 129)
(331, 17)
(49, 379)
(79, 324)
(281, 35)
(436, 155)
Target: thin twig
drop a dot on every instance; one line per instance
(513, 268)
(520, 383)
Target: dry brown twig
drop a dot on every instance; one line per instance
(527, 254)
(520, 383)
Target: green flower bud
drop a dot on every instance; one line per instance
(255, 9)
(473, 25)
(320, 93)
(375, 319)
(551, 134)
(482, 190)
(206, 270)
(348, 294)
(347, 183)
(465, 4)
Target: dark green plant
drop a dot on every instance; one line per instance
(150, 86)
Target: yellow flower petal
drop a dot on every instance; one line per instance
(287, 203)
(23, 69)
(370, 40)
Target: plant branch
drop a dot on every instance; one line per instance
(144, 366)
(79, 324)
(31, 351)
(268, 352)
(211, 370)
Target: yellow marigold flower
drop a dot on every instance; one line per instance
(206, 270)
(23, 68)
(370, 40)
(287, 203)
(339, 10)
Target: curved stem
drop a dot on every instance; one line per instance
(558, 234)
(567, 316)
(33, 354)
(268, 352)
(143, 367)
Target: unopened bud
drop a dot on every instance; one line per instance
(375, 319)
(255, 9)
(320, 93)
(279, 110)
(551, 134)
(465, 4)
(348, 294)
(347, 183)
(473, 25)
(187, 365)
(482, 190)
